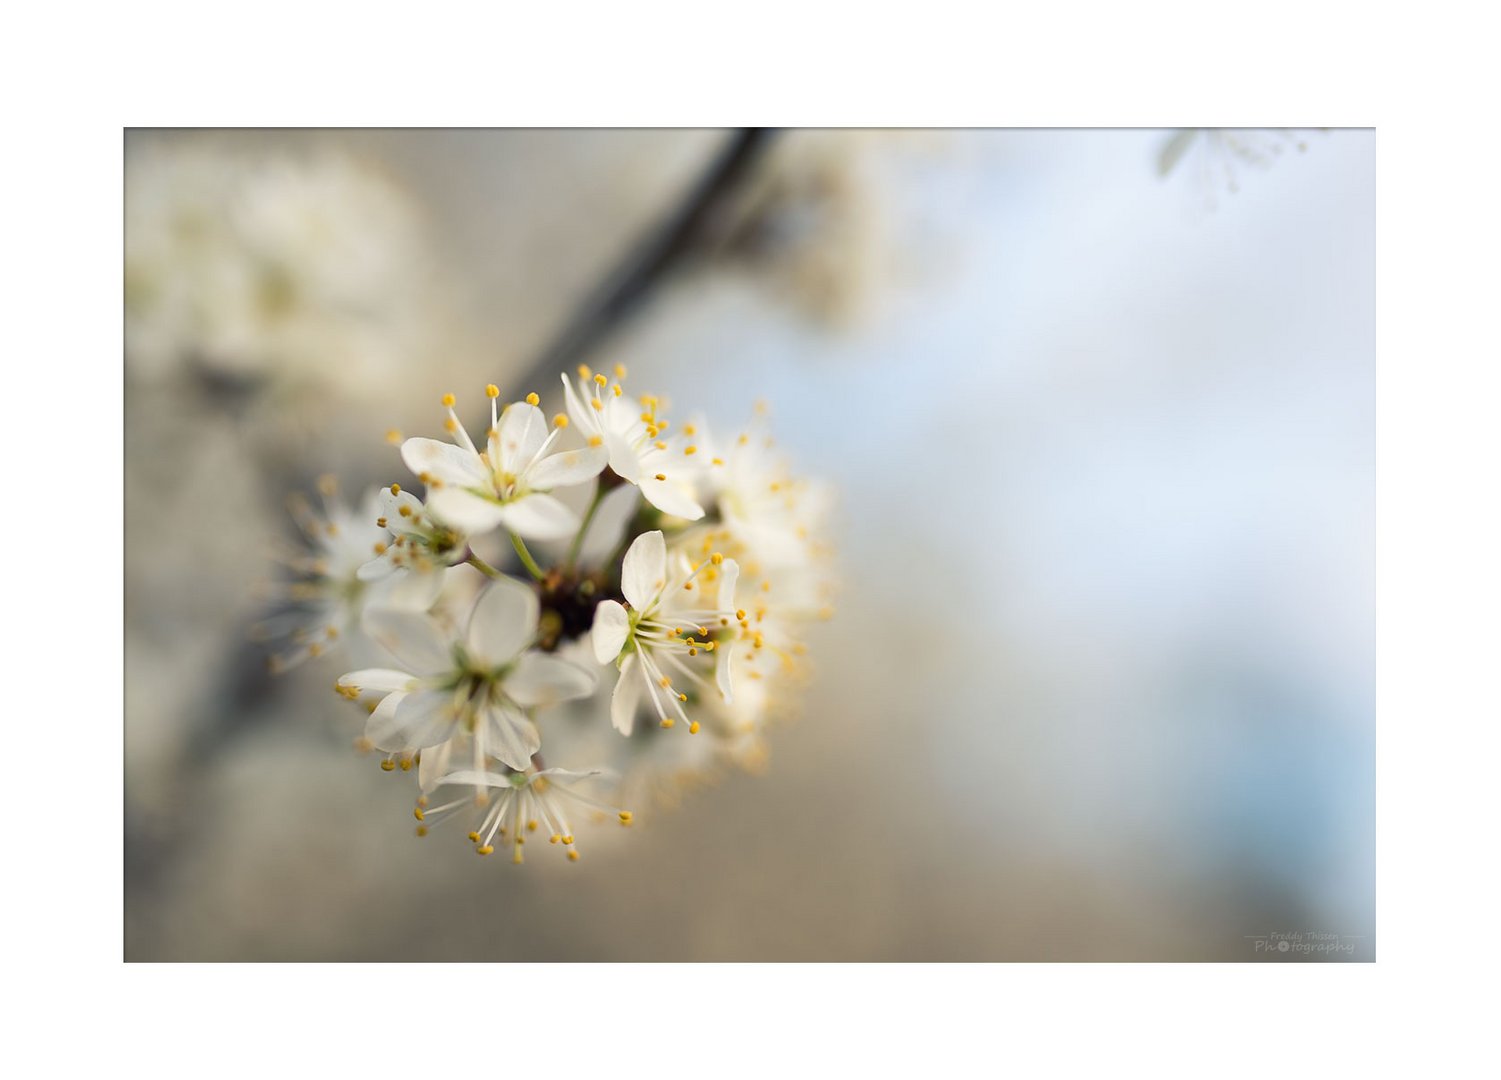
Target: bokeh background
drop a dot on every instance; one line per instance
(1100, 683)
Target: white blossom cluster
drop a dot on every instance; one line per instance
(652, 626)
(290, 271)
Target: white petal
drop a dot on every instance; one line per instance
(627, 697)
(670, 499)
(644, 571)
(380, 727)
(566, 469)
(539, 680)
(623, 459)
(729, 573)
(391, 507)
(539, 517)
(471, 778)
(446, 462)
(722, 654)
(465, 511)
(608, 526)
(433, 766)
(611, 627)
(424, 719)
(522, 431)
(503, 623)
(414, 639)
(377, 569)
(580, 413)
(412, 590)
(510, 736)
(377, 680)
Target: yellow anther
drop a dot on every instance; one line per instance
(422, 801)
(661, 476)
(716, 558)
(743, 440)
(718, 461)
(363, 745)
(664, 682)
(598, 405)
(315, 649)
(573, 854)
(405, 511)
(583, 370)
(682, 697)
(421, 830)
(616, 390)
(451, 425)
(600, 380)
(660, 445)
(693, 728)
(474, 836)
(620, 371)
(568, 839)
(406, 764)
(448, 400)
(417, 812)
(740, 613)
(387, 765)
(491, 390)
(596, 440)
(651, 432)
(709, 646)
(668, 722)
(692, 652)
(484, 850)
(554, 838)
(688, 450)
(532, 399)
(395, 489)
(379, 548)
(625, 817)
(393, 436)
(646, 418)
(331, 632)
(531, 826)
(689, 429)
(380, 522)
(560, 421)
(516, 858)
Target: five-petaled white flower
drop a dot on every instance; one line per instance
(640, 452)
(526, 802)
(667, 625)
(480, 686)
(507, 483)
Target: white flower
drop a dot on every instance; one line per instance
(640, 451)
(507, 484)
(311, 270)
(663, 629)
(418, 543)
(331, 594)
(480, 686)
(526, 802)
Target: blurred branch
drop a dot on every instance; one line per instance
(644, 268)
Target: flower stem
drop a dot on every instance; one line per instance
(526, 557)
(578, 540)
(483, 567)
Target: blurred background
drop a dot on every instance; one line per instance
(1099, 406)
